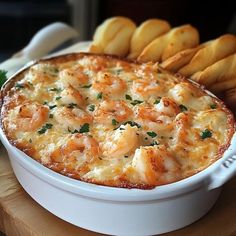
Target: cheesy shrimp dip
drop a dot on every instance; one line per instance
(104, 120)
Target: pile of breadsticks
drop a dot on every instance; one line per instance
(178, 49)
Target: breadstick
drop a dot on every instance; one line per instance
(145, 33)
(180, 59)
(113, 36)
(167, 45)
(219, 72)
(211, 53)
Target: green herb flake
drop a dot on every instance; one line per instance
(52, 106)
(30, 140)
(135, 102)
(55, 70)
(132, 123)
(91, 107)
(152, 134)
(45, 128)
(118, 71)
(157, 101)
(73, 131)
(84, 128)
(154, 143)
(72, 105)
(99, 96)
(206, 134)
(19, 86)
(55, 90)
(3, 77)
(87, 86)
(58, 98)
(213, 106)
(114, 122)
(51, 116)
(183, 108)
(128, 97)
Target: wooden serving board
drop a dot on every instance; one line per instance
(20, 215)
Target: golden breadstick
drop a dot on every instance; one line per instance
(180, 59)
(145, 33)
(220, 71)
(211, 53)
(113, 36)
(167, 45)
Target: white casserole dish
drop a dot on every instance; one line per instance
(119, 211)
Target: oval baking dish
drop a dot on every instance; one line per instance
(134, 211)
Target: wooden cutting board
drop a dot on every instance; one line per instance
(20, 215)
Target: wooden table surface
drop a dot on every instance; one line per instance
(20, 215)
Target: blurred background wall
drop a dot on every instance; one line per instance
(21, 19)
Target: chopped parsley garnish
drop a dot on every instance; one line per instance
(114, 122)
(91, 107)
(45, 128)
(72, 105)
(154, 143)
(132, 123)
(30, 140)
(45, 103)
(19, 86)
(55, 70)
(152, 134)
(157, 101)
(135, 102)
(58, 98)
(118, 71)
(183, 108)
(55, 90)
(206, 134)
(128, 97)
(84, 128)
(51, 116)
(86, 86)
(213, 106)
(52, 106)
(3, 77)
(74, 131)
(99, 96)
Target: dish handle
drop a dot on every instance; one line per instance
(224, 173)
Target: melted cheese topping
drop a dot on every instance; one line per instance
(107, 121)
